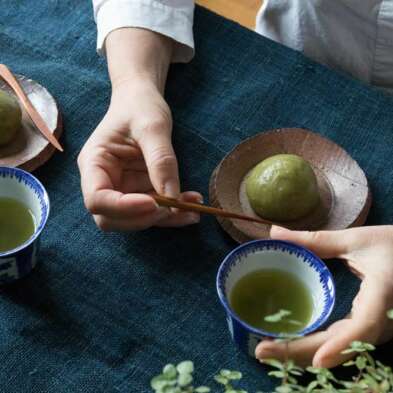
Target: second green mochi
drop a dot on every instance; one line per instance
(283, 188)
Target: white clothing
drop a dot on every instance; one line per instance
(355, 36)
(172, 18)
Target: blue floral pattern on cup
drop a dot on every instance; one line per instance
(268, 254)
(18, 184)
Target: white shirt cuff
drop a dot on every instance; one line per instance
(170, 21)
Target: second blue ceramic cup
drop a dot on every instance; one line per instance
(274, 254)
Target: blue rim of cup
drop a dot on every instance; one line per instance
(22, 173)
(223, 298)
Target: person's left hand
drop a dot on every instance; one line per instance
(368, 251)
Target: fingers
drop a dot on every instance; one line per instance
(136, 219)
(138, 223)
(101, 199)
(367, 324)
(180, 218)
(330, 353)
(322, 349)
(156, 145)
(301, 351)
(341, 335)
(114, 204)
(135, 182)
(326, 244)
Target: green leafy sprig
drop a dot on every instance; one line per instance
(370, 375)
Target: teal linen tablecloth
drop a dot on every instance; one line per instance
(103, 312)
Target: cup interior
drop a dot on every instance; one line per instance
(25, 188)
(273, 254)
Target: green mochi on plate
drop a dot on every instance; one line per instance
(10, 118)
(283, 188)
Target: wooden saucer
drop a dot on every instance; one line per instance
(345, 195)
(30, 149)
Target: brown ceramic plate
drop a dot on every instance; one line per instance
(30, 149)
(346, 197)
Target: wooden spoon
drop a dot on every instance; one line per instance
(197, 207)
(10, 79)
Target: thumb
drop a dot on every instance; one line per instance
(156, 145)
(326, 244)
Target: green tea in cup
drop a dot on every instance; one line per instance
(17, 224)
(264, 292)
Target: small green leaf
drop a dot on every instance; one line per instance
(158, 382)
(311, 386)
(274, 363)
(283, 389)
(291, 380)
(369, 347)
(297, 368)
(290, 364)
(169, 371)
(224, 372)
(385, 386)
(314, 370)
(278, 316)
(276, 374)
(361, 362)
(221, 380)
(349, 363)
(235, 375)
(359, 346)
(390, 314)
(186, 367)
(184, 379)
(202, 389)
(294, 322)
(296, 372)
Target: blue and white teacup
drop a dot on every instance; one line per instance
(25, 188)
(274, 254)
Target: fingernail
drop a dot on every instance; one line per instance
(171, 189)
(317, 364)
(201, 200)
(193, 218)
(264, 351)
(265, 355)
(279, 230)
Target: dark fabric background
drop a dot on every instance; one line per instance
(104, 312)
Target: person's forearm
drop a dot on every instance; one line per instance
(138, 54)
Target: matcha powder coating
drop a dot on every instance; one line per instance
(10, 118)
(283, 188)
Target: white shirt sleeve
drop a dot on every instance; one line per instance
(172, 18)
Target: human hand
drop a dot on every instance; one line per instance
(130, 155)
(368, 252)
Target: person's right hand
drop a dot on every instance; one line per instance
(130, 155)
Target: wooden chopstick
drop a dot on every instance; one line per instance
(197, 207)
(8, 76)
